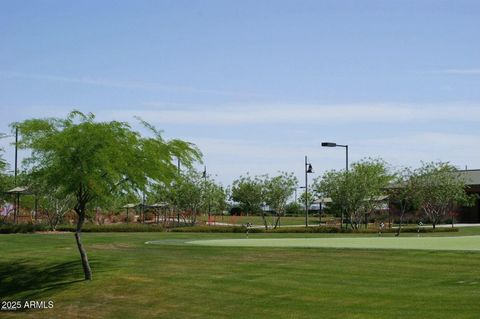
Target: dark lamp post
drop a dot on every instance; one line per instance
(308, 170)
(331, 144)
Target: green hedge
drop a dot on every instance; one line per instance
(89, 228)
(22, 228)
(214, 229)
(427, 230)
(321, 229)
(331, 229)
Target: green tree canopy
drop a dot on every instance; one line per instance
(191, 191)
(402, 194)
(3, 163)
(439, 189)
(214, 196)
(277, 191)
(6, 179)
(252, 192)
(249, 193)
(90, 160)
(355, 192)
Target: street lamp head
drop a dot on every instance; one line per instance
(329, 144)
(309, 168)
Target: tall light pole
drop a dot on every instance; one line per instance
(330, 144)
(176, 196)
(308, 170)
(207, 191)
(16, 154)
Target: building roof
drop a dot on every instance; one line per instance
(19, 190)
(159, 205)
(472, 176)
(322, 200)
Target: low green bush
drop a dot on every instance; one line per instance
(321, 229)
(212, 229)
(22, 228)
(427, 230)
(333, 229)
(91, 228)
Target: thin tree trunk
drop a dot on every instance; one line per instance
(51, 222)
(351, 222)
(401, 222)
(83, 253)
(277, 222)
(264, 220)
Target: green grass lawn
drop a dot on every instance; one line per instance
(470, 243)
(177, 280)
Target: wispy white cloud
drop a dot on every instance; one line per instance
(472, 71)
(422, 139)
(230, 154)
(301, 113)
(120, 83)
(254, 114)
(410, 149)
(233, 157)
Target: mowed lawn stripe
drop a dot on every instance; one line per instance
(467, 243)
(134, 280)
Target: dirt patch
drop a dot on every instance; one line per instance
(109, 246)
(49, 232)
(138, 279)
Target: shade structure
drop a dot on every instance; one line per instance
(21, 190)
(18, 191)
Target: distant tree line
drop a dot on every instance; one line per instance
(77, 165)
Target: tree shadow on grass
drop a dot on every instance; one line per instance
(25, 280)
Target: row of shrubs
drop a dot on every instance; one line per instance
(22, 228)
(88, 228)
(213, 229)
(91, 228)
(321, 229)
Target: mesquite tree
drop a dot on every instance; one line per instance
(403, 194)
(56, 206)
(188, 190)
(92, 160)
(278, 190)
(356, 192)
(439, 189)
(249, 193)
(214, 196)
(3, 163)
(4, 178)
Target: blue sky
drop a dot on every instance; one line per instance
(257, 85)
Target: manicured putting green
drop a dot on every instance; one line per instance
(425, 243)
